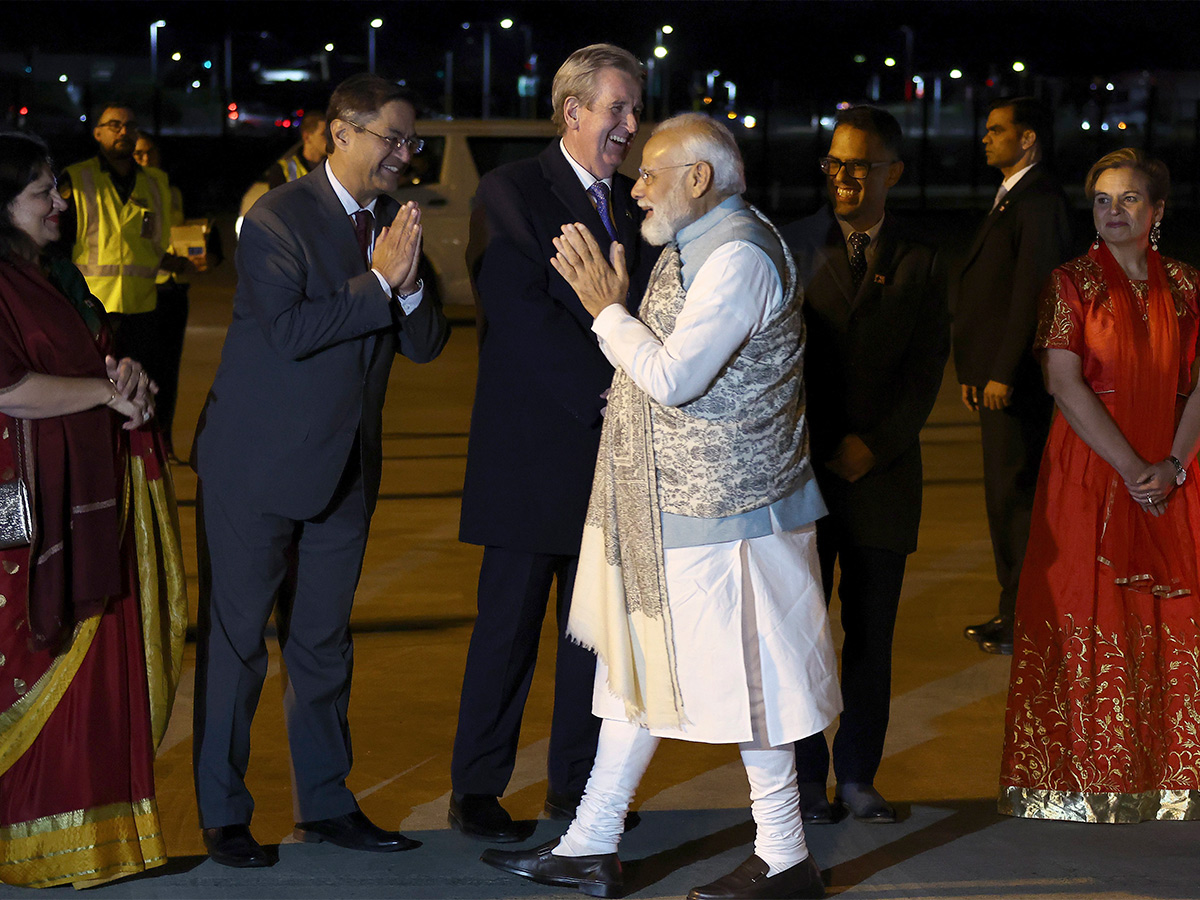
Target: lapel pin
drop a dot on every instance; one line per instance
(881, 279)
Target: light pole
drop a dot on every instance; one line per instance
(375, 24)
(154, 26)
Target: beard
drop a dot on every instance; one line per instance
(670, 215)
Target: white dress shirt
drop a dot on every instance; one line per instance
(413, 300)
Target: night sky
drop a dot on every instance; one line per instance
(808, 46)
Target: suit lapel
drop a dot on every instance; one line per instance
(880, 265)
(566, 186)
(622, 210)
(1028, 180)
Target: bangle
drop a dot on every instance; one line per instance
(113, 395)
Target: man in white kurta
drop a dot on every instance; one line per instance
(698, 584)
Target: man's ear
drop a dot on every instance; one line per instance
(700, 179)
(1028, 138)
(338, 130)
(895, 170)
(571, 113)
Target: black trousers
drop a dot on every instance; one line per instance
(1013, 441)
(171, 316)
(869, 592)
(514, 591)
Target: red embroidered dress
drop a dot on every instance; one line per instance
(1101, 724)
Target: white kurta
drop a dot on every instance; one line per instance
(754, 653)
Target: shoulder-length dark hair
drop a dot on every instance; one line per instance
(22, 158)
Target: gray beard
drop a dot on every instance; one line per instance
(668, 219)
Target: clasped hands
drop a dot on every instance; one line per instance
(397, 252)
(1151, 487)
(135, 391)
(599, 282)
(993, 396)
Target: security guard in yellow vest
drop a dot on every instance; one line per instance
(122, 228)
(308, 157)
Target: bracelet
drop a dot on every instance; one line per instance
(113, 395)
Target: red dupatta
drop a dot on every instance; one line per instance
(72, 463)
(1146, 553)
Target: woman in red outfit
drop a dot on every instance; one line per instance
(92, 609)
(1101, 723)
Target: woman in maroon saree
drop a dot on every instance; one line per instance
(92, 610)
(1101, 723)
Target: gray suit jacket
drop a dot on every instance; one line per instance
(307, 356)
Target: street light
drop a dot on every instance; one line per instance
(375, 24)
(154, 26)
(1018, 66)
(506, 24)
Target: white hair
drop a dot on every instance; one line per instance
(705, 139)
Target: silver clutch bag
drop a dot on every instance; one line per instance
(16, 521)
(16, 526)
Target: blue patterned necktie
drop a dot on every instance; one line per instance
(599, 192)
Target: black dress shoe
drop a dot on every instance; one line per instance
(596, 876)
(1001, 644)
(750, 880)
(562, 807)
(865, 803)
(235, 846)
(815, 808)
(481, 816)
(354, 831)
(984, 630)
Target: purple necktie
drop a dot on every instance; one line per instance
(599, 192)
(364, 226)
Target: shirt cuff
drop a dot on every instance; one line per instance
(409, 303)
(610, 317)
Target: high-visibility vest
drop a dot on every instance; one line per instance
(118, 246)
(293, 167)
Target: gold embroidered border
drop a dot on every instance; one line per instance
(22, 722)
(86, 846)
(1112, 808)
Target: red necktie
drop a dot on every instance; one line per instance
(364, 226)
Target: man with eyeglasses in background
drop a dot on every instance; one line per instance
(118, 228)
(289, 454)
(878, 338)
(535, 432)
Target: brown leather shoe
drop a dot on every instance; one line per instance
(750, 881)
(596, 876)
(235, 846)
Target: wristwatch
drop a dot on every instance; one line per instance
(1180, 471)
(417, 288)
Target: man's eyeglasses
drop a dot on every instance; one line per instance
(118, 126)
(648, 175)
(414, 144)
(855, 168)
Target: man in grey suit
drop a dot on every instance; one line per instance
(289, 454)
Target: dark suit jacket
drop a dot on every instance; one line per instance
(535, 426)
(994, 297)
(307, 356)
(873, 363)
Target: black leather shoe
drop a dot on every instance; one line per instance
(750, 880)
(481, 816)
(984, 630)
(354, 831)
(1001, 645)
(865, 803)
(815, 808)
(235, 846)
(596, 876)
(562, 807)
